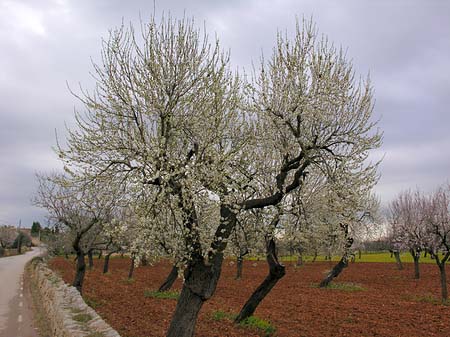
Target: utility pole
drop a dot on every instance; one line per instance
(19, 239)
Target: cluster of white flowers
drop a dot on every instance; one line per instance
(202, 154)
(421, 222)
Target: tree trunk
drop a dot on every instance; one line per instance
(200, 278)
(185, 317)
(19, 244)
(337, 269)
(100, 254)
(443, 282)
(80, 272)
(91, 259)
(315, 256)
(239, 263)
(416, 257)
(359, 254)
(343, 263)
(441, 265)
(300, 259)
(276, 272)
(170, 280)
(199, 285)
(397, 259)
(106, 264)
(130, 272)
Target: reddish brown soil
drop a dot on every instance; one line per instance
(388, 307)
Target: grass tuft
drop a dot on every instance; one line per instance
(428, 298)
(220, 315)
(82, 318)
(162, 294)
(344, 286)
(254, 322)
(94, 304)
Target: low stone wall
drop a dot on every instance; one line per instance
(67, 313)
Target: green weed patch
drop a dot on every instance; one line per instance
(162, 294)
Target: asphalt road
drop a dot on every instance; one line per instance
(15, 312)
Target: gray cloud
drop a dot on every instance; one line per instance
(404, 45)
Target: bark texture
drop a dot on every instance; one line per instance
(199, 285)
(276, 272)
(240, 263)
(416, 256)
(131, 271)
(443, 276)
(343, 262)
(170, 280)
(106, 263)
(90, 258)
(80, 272)
(397, 260)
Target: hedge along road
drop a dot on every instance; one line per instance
(15, 314)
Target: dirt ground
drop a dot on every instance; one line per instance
(391, 304)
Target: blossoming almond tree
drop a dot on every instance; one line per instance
(79, 210)
(408, 227)
(168, 117)
(436, 213)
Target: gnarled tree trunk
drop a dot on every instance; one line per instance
(199, 285)
(80, 271)
(443, 282)
(443, 276)
(131, 271)
(276, 272)
(343, 262)
(200, 278)
(106, 263)
(337, 269)
(81, 264)
(170, 280)
(90, 258)
(240, 263)
(416, 256)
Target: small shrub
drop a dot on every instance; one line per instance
(82, 318)
(259, 324)
(162, 294)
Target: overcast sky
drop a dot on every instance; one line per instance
(405, 45)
